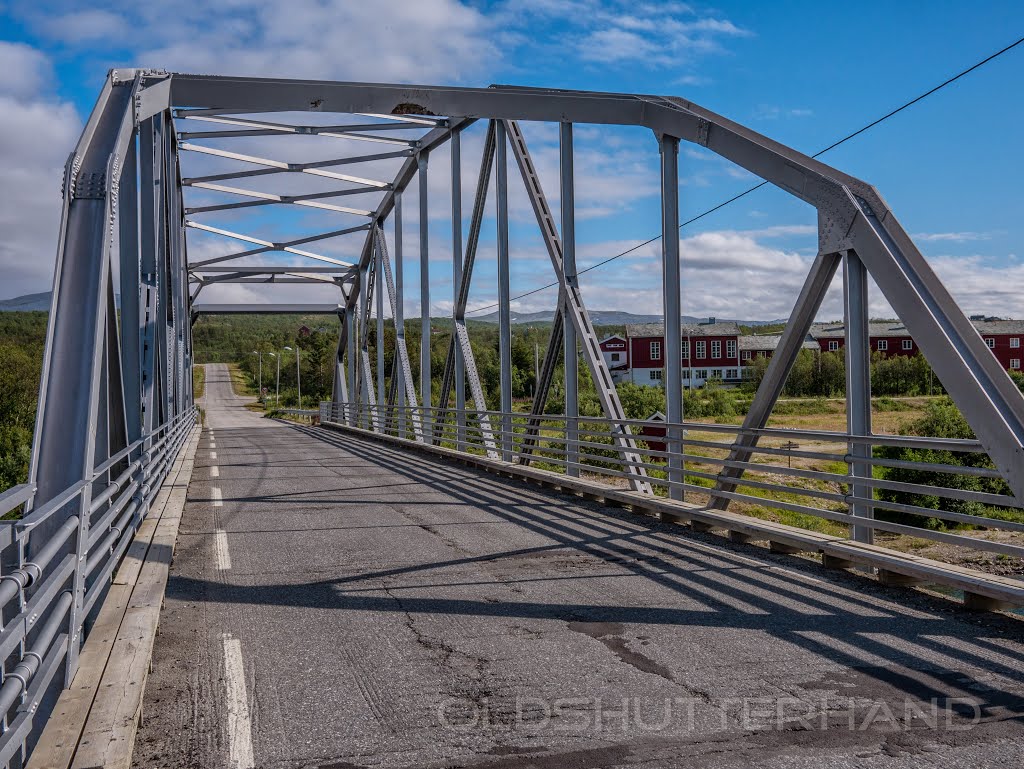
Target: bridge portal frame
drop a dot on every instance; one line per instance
(114, 384)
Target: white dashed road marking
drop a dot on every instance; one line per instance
(214, 471)
(218, 499)
(240, 752)
(221, 546)
(213, 455)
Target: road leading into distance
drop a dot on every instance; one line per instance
(337, 603)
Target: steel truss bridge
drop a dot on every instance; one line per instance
(116, 403)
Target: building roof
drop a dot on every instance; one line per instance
(687, 329)
(875, 329)
(770, 342)
(996, 326)
(896, 328)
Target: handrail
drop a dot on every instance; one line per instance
(768, 480)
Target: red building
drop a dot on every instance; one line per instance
(891, 338)
(717, 350)
(708, 350)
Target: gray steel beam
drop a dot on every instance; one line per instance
(812, 294)
(286, 246)
(571, 356)
(132, 320)
(457, 259)
(671, 302)
(380, 323)
(424, 231)
(858, 386)
(504, 319)
(460, 336)
(606, 392)
(403, 378)
(266, 309)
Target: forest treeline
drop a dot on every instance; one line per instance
(235, 339)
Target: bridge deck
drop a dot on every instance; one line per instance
(339, 603)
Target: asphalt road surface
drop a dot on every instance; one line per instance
(336, 603)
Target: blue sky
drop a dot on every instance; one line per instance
(804, 73)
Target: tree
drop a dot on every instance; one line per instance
(942, 419)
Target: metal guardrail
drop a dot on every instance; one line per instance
(46, 601)
(586, 446)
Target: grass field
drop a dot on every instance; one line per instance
(241, 383)
(198, 381)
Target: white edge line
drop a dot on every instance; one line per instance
(240, 750)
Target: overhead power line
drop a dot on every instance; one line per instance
(746, 192)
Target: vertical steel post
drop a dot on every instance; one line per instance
(504, 311)
(425, 400)
(381, 287)
(399, 311)
(670, 280)
(149, 232)
(298, 376)
(132, 320)
(354, 397)
(363, 390)
(568, 211)
(460, 364)
(858, 385)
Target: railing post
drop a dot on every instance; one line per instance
(568, 206)
(858, 386)
(75, 618)
(670, 278)
(504, 311)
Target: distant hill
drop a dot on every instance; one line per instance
(31, 302)
(36, 302)
(611, 318)
(27, 303)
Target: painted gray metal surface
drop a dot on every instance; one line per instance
(108, 389)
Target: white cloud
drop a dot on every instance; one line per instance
(86, 26)
(951, 237)
(38, 133)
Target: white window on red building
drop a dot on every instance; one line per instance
(746, 355)
(1015, 342)
(684, 349)
(616, 357)
(655, 373)
(730, 348)
(991, 342)
(908, 344)
(702, 348)
(1015, 363)
(716, 373)
(883, 345)
(655, 350)
(686, 373)
(716, 350)
(833, 345)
